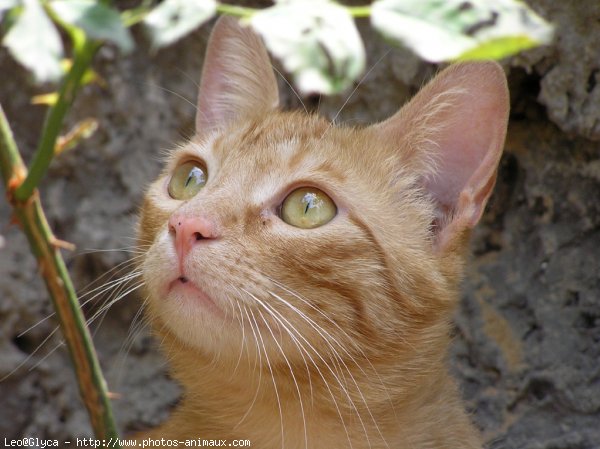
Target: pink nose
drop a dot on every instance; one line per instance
(188, 231)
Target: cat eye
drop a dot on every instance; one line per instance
(187, 180)
(307, 208)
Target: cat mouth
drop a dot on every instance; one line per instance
(184, 288)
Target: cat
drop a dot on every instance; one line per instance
(301, 276)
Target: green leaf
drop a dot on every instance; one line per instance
(498, 48)
(34, 42)
(5, 5)
(316, 40)
(173, 19)
(97, 20)
(439, 30)
(8, 4)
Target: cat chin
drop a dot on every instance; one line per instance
(183, 289)
(193, 318)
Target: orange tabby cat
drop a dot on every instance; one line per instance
(302, 276)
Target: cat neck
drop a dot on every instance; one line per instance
(340, 404)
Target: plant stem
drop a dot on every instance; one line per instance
(11, 164)
(45, 247)
(242, 11)
(84, 51)
(359, 11)
(233, 10)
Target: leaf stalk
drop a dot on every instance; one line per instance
(233, 10)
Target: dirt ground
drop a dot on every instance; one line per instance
(527, 341)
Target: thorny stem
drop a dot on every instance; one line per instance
(45, 247)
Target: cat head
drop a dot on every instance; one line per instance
(278, 233)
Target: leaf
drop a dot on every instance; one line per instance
(34, 42)
(8, 4)
(5, 5)
(316, 40)
(96, 19)
(498, 48)
(439, 30)
(48, 99)
(83, 129)
(173, 19)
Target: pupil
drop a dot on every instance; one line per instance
(310, 199)
(195, 174)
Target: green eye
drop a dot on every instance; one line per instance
(187, 180)
(307, 208)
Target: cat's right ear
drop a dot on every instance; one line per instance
(237, 77)
(452, 134)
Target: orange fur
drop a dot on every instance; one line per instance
(332, 337)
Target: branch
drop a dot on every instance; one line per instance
(45, 248)
(84, 50)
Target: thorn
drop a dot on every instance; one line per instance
(17, 178)
(15, 181)
(62, 244)
(113, 395)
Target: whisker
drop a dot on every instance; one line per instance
(124, 249)
(100, 290)
(31, 354)
(318, 369)
(30, 328)
(353, 92)
(119, 282)
(272, 377)
(194, 81)
(338, 327)
(293, 376)
(135, 329)
(259, 371)
(39, 362)
(50, 315)
(291, 87)
(112, 302)
(320, 331)
(103, 309)
(181, 97)
(243, 343)
(301, 349)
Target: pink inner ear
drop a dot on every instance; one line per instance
(453, 133)
(470, 145)
(237, 78)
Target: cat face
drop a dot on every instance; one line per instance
(279, 237)
(254, 266)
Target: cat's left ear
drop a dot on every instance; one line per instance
(237, 77)
(452, 132)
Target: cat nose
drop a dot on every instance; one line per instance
(188, 231)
